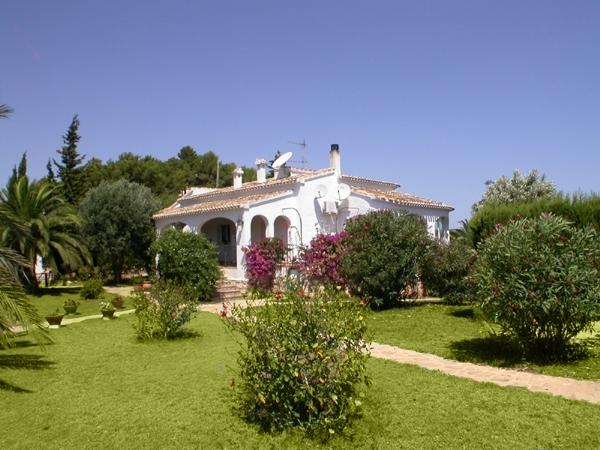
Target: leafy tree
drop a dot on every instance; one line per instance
(69, 170)
(188, 259)
(118, 226)
(519, 188)
(386, 251)
(36, 221)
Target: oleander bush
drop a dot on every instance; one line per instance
(261, 263)
(321, 261)
(448, 269)
(163, 311)
(189, 260)
(91, 289)
(386, 251)
(540, 280)
(302, 360)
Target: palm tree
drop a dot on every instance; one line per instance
(5, 111)
(15, 310)
(36, 221)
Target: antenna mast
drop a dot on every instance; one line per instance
(303, 159)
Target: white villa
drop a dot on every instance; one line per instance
(295, 206)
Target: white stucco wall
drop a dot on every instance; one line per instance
(303, 209)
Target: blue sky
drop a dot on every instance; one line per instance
(436, 95)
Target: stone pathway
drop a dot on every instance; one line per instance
(95, 316)
(564, 387)
(124, 291)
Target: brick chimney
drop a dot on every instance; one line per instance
(238, 174)
(261, 170)
(334, 159)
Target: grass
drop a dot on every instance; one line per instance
(51, 299)
(96, 387)
(460, 332)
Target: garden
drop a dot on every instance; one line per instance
(518, 287)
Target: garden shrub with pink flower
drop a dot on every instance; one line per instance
(261, 263)
(302, 361)
(321, 261)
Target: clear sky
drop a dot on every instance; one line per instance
(436, 95)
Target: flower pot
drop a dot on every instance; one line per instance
(54, 321)
(70, 309)
(107, 313)
(118, 302)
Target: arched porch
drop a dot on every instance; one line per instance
(222, 232)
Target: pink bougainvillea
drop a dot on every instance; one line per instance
(321, 261)
(261, 262)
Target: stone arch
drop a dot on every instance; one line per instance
(258, 229)
(222, 232)
(281, 227)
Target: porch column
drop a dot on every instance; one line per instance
(243, 235)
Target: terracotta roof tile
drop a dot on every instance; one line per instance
(369, 180)
(402, 198)
(216, 205)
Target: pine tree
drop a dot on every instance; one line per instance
(19, 171)
(50, 176)
(69, 172)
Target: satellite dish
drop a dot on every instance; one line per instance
(321, 190)
(344, 191)
(281, 160)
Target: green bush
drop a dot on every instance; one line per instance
(91, 289)
(302, 360)
(447, 271)
(581, 210)
(162, 312)
(540, 280)
(190, 260)
(386, 251)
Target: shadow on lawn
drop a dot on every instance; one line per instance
(20, 361)
(56, 291)
(502, 351)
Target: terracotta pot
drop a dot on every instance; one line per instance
(70, 309)
(108, 313)
(118, 302)
(54, 321)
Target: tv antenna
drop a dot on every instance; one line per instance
(303, 161)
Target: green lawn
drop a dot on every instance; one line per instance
(459, 332)
(50, 299)
(96, 387)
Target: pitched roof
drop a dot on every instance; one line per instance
(242, 201)
(350, 178)
(298, 175)
(402, 199)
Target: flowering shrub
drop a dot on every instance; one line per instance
(163, 310)
(261, 262)
(540, 280)
(321, 261)
(302, 361)
(386, 250)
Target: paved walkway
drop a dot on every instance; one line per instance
(563, 387)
